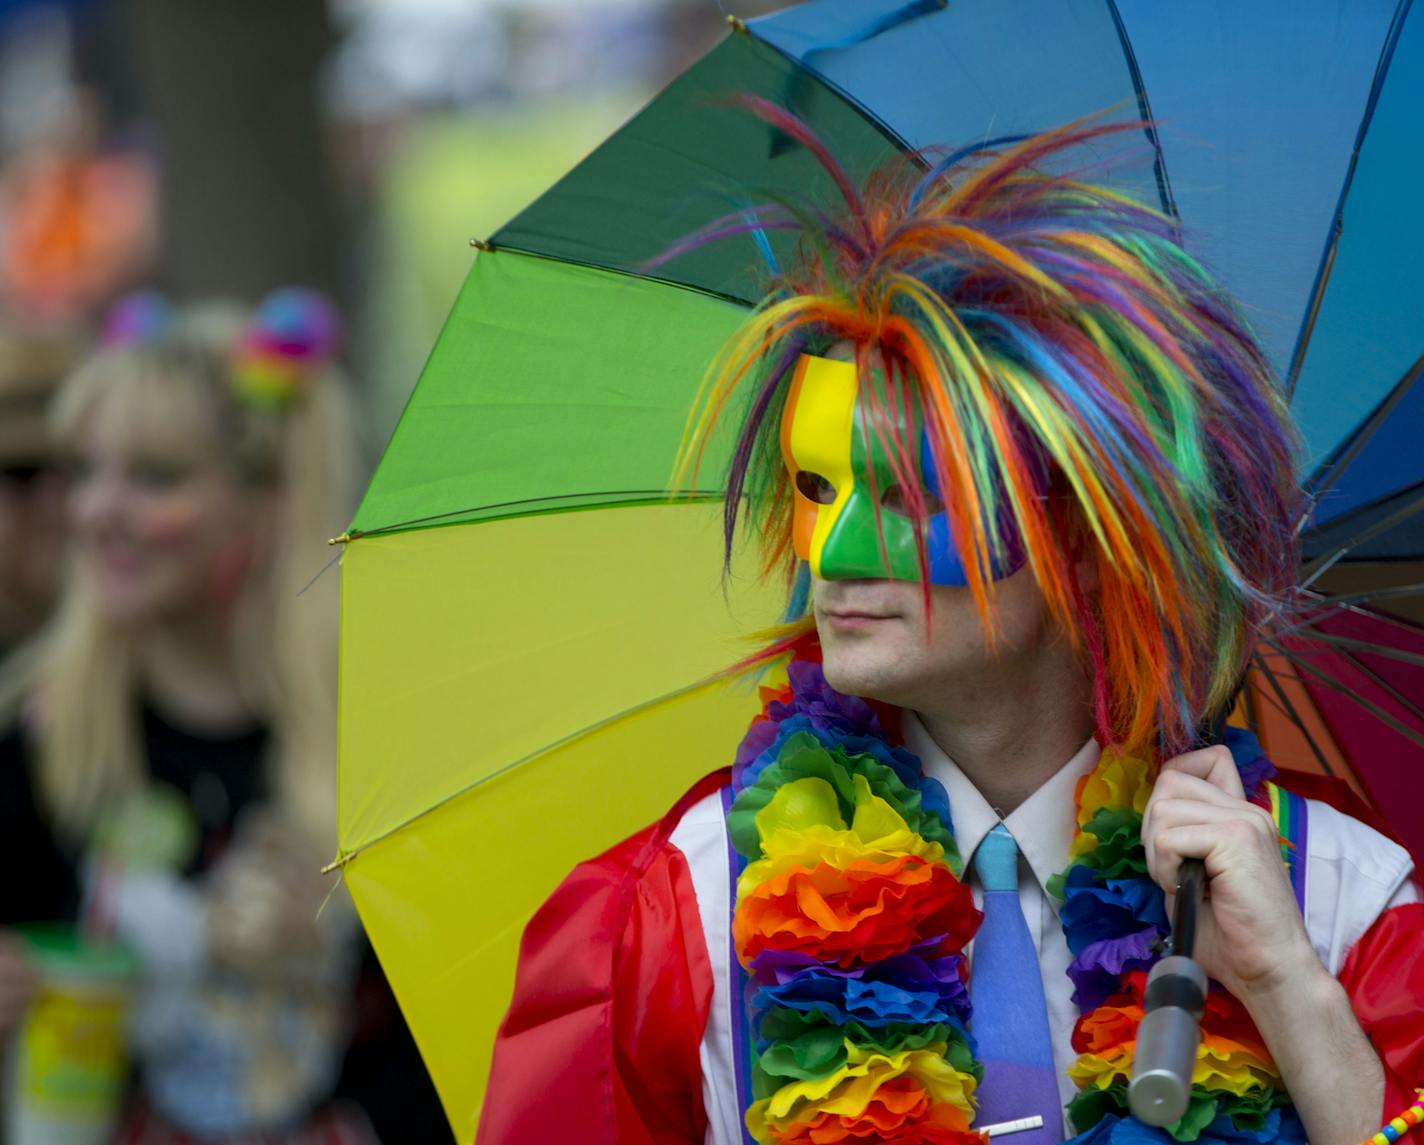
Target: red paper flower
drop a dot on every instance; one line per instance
(855, 915)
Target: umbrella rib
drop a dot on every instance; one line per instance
(1341, 601)
(1338, 464)
(345, 857)
(1367, 671)
(1254, 717)
(1360, 645)
(1348, 603)
(1309, 531)
(494, 246)
(1385, 618)
(1373, 708)
(1323, 611)
(1380, 682)
(1293, 715)
(1312, 571)
(1275, 703)
(1159, 164)
(1253, 714)
(648, 496)
(1327, 262)
(1329, 607)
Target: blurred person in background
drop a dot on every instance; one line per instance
(168, 772)
(31, 511)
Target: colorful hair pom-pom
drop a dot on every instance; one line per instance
(143, 316)
(294, 333)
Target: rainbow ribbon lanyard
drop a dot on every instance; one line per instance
(1289, 812)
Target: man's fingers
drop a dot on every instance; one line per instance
(1169, 846)
(1191, 797)
(1213, 764)
(1179, 784)
(1202, 832)
(1177, 811)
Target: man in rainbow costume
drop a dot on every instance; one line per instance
(1035, 491)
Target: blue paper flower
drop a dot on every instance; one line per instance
(906, 988)
(1250, 759)
(1095, 909)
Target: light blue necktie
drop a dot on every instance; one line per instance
(1010, 1018)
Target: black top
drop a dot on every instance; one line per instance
(40, 884)
(217, 776)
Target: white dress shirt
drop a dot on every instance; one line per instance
(1353, 874)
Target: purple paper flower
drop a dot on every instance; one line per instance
(760, 736)
(1097, 971)
(832, 718)
(827, 709)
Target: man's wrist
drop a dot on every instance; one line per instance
(1325, 1059)
(1299, 981)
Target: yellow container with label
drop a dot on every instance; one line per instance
(67, 1063)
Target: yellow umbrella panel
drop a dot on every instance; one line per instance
(525, 683)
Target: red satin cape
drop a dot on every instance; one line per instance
(601, 1043)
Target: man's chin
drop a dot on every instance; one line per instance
(859, 672)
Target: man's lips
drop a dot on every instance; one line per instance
(855, 617)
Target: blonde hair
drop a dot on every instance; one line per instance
(79, 677)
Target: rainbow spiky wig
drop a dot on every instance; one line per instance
(1086, 397)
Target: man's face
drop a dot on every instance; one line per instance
(878, 638)
(852, 511)
(879, 642)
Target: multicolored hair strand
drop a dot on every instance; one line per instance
(1046, 326)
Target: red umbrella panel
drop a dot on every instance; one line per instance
(1339, 695)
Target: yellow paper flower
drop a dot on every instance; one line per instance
(802, 826)
(852, 1087)
(1117, 781)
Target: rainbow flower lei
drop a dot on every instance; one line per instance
(850, 925)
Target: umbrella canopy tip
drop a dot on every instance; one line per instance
(338, 863)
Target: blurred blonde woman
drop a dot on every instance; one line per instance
(168, 775)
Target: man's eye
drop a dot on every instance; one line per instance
(815, 488)
(896, 500)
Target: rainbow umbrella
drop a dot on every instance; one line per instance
(531, 631)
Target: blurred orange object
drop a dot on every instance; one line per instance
(78, 228)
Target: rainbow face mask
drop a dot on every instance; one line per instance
(840, 465)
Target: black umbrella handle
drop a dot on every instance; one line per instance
(1191, 875)
(1191, 889)
(1170, 1031)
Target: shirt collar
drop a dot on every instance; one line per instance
(1042, 824)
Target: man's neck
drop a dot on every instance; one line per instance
(1012, 728)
